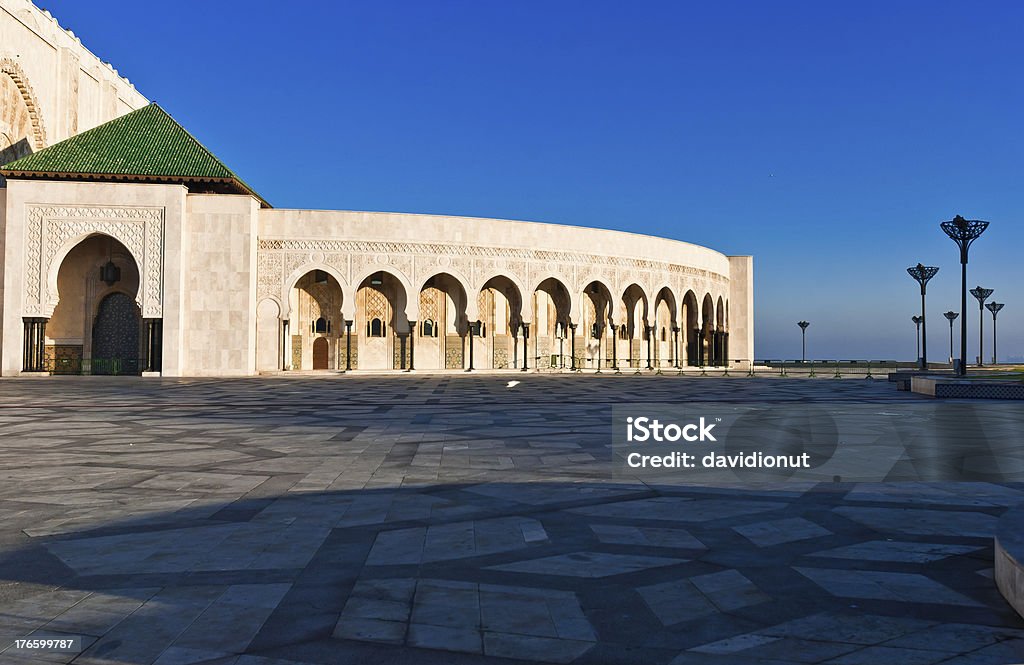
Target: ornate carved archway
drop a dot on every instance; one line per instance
(53, 231)
(19, 114)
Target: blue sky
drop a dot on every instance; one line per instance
(827, 139)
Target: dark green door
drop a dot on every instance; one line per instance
(115, 336)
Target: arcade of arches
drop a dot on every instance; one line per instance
(626, 330)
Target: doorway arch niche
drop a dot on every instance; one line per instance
(96, 326)
(317, 326)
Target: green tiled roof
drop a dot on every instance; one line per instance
(146, 144)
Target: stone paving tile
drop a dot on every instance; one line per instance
(449, 519)
(905, 587)
(884, 550)
(886, 655)
(729, 590)
(919, 522)
(853, 628)
(679, 509)
(185, 656)
(676, 601)
(616, 534)
(802, 650)
(777, 532)
(956, 637)
(588, 564)
(735, 644)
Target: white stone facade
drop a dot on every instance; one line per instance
(240, 289)
(51, 87)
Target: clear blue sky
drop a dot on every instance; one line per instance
(827, 139)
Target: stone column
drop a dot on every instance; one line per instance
(650, 335)
(412, 345)
(348, 345)
(284, 345)
(154, 345)
(473, 327)
(526, 346)
(615, 346)
(572, 346)
(33, 359)
(515, 344)
(27, 345)
(675, 347)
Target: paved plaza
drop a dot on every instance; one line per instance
(454, 519)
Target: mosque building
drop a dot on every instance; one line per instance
(128, 248)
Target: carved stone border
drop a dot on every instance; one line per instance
(13, 69)
(51, 228)
(277, 258)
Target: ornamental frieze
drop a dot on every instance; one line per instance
(53, 230)
(418, 261)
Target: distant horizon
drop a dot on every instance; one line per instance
(828, 142)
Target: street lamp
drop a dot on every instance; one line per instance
(917, 322)
(922, 274)
(994, 307)
(982, 295)
(963, 232)
(951, 316)
(803, 340)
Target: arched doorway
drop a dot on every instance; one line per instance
(707, 346)
(316, 324)
(634, 307)
(551, 305)
(96, 326)
(380, 337)
(665, 329)
(443, 329)
(500, 308)
(115, 336)
(691, 329)
(320, 352)
(597, 329)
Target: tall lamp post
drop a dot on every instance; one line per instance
(951, 316)
(963, 232)
(803, 340)
(982, 295)
(994, 307)
(922, 273)
(917, 323)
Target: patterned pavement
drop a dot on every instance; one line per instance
(453, 519)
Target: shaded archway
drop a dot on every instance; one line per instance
(500, 308)
(315, 314)
(550, 330)
(380, 334)
(721, 334)
(634, 327)
(442, 327)
(691, 329)
(666, 329)
(707, 347)
(596, 327)
(96, 326)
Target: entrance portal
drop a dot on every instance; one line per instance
(320, 353)
(115, 336)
